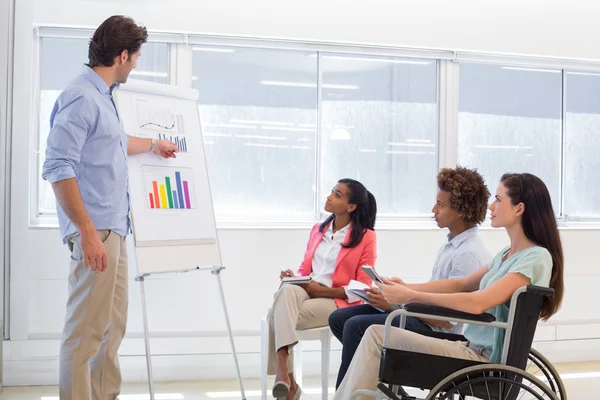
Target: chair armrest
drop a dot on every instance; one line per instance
(453, 337)
(448, 312)
(426, 312)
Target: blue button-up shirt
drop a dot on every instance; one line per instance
(87, 142)
(460, 256)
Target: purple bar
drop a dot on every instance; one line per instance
(187, 194)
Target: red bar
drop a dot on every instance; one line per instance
(155, 187)
(151, 200)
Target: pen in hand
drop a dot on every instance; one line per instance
(285, 272)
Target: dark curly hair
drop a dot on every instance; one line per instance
(115, 35)
(469, 195)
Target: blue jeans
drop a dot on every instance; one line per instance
(350, 323)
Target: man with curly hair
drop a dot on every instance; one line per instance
(461, 205)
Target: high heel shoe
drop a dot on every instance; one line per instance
(298, 393)
(281, 389)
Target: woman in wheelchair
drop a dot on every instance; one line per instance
(523, 207)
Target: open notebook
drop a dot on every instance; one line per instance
(358, 288)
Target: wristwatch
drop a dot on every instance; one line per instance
(153, 146)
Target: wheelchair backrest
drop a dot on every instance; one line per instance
(526, 317)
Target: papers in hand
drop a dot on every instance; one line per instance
(358, 288)
(295, 280)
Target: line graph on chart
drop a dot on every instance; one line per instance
(155, 118)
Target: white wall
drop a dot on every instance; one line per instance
(535, 27)
(186, 307)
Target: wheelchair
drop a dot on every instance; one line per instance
(522, 374)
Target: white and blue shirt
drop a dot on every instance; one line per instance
(87, 142)
(460, 256)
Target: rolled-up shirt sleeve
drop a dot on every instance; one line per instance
(71, 124)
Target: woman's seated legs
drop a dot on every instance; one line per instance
(363, 372)
(292, 310)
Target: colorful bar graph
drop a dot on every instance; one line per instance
(179, 141)
(167, 193)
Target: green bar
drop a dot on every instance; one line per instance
(169, 192)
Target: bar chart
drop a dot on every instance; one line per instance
(178, 140)
(168, 188)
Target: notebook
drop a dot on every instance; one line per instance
(295, 280)
(358, 288)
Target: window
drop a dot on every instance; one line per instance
(258, 110)
(379, 126)
(510, 121)
(282, 122)
(582, 139)
(61, 60)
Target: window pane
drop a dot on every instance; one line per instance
(582, 139)
(61, 60)
(379, 126)
(258, 114)
(510, 121)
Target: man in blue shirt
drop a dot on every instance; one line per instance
(461, 205)
(86, 163)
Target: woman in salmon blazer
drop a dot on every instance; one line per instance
(336, 251)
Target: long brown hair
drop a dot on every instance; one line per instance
(539, 225)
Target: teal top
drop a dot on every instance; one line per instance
(535, 263)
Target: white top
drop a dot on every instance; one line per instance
(325, 257)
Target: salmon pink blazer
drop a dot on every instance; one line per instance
(349, 262)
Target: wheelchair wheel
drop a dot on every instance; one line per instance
(540, 367)
(491, 382)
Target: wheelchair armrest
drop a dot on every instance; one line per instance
(448, 312)
(540, 290)
(453, 337)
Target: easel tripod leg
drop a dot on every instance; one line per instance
(146, 338)
(217, 272)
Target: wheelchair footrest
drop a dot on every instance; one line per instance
(418, 370)
(391, 395)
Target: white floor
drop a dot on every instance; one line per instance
(581, 380)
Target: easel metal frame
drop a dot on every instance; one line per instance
(215, 270)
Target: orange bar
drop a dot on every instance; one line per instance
(155, 187)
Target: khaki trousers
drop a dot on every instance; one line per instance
(293, 309)
(363, 372)
(95, 323)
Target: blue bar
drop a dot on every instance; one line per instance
(175, 203)
(179, 189)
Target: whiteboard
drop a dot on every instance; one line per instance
(172, 212)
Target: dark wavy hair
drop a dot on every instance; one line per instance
(115, 35)
(469, 196)
(539, 225)
(363, 217)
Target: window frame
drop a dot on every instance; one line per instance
(180, 74)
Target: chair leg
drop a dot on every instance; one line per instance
(264, 348)
(325, 349)
(298, 363)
